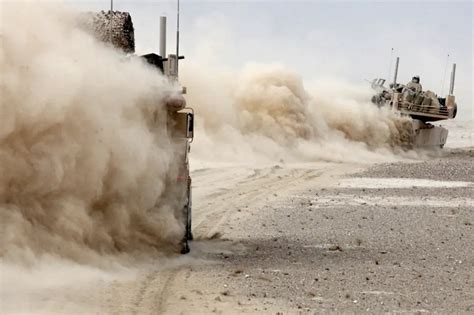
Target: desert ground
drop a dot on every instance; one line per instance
(307, 238)
(307, 198)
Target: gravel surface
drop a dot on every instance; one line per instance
(454, 165)
(358, 249)
(310, 239)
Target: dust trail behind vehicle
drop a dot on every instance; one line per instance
(265, 113)
(83, 160)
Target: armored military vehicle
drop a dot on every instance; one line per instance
(116, 28)
(424, 108)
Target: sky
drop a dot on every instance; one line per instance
(321, 40)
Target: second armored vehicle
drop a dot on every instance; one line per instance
(424, 107)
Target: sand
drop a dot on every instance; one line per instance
(321, 247)
(88, 224)
(304, 238)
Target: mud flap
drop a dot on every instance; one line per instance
(185, 246)
(189, 233)
(187, 211)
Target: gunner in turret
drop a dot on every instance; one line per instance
(414, 84)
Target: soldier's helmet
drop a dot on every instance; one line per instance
(416, 79)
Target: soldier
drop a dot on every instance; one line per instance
(414, 84)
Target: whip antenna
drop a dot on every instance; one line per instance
(110, 22)
(177, 39)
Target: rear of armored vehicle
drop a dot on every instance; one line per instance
(116, 28)
(424, 107)
(180, 124)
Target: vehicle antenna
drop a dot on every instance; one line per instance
(453, 77)
(444, 75)
(110, 22)
(177, 39)
(395, 75)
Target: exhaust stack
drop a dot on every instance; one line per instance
(163, 36)
(453, 77)
(396, 73)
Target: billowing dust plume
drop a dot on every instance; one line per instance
(84, 157)
(265, 113)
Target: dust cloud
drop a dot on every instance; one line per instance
(265, 113)
(84, 155)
